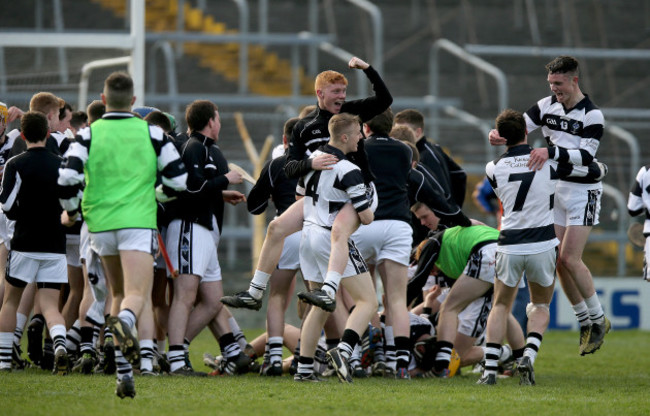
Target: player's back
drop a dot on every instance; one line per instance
(527, 225)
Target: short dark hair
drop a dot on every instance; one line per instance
(411, 117)
(78, 119)
(288, 126)
(118, 90)
(564, 65)
(158, 118)
(95, 111)
(382, 123)
(199, 113)
(63, 109)
(34, 126)
(512, 126)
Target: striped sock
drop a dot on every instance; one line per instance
(275, 349)
(57, 332)
(331, 283)
(86, 343)
(596, 314)
(443, 357)
(176, 357)
(229, 347)
(402, 354)
(73, 337)
(258, 284)
(6, 340)
(492, 353)
(348, 341)
(237, 332)
(146, 355)
(305, 365)
(533, 342)
(582, 313)
(123, 367)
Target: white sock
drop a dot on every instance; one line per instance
(258, 284)
(21, 320)
(595, 309)
(582, 314)
(331, 284)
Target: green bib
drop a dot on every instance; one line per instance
(457, 244)
(120, 176)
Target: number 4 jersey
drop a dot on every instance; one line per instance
(326, 191)
(527, 225)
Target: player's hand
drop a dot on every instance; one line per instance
(323, 161)
(234, 177)
(233, 197)
(14, 113)
(433, 294)
(495, 138)
(66, 220)
(537, 158)
(357, 63)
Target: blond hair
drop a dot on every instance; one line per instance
(341, 124)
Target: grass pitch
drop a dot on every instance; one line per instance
(614, 381)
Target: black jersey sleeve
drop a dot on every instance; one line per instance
(258, 198)
(421, 190)
(369, 107)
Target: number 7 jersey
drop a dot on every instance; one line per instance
(527, 225)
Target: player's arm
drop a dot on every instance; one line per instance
(458, 178)
(10, 188)
(592, 132)
(369, 107)
(352, 183)
(635, 205)
(71, 173)
(258, 197)
(170, 165)
(421, 190)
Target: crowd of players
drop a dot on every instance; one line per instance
(91, 199)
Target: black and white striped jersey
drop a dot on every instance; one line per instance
(638, 201)
(573, 136)
(326, 191)
(5, 148)
(527, 224)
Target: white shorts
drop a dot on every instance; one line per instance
(315, 246)
(577, 203)
(481, 263)
(290, 258)
(110, 243)
(49, 268)
(646, 260)
(384, 240)
(72, 254)
(539, 268)
(192, 251)
(7, 227)
(4, 231)
(96, 275)
(472, 320)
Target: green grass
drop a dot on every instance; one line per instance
(614, 381)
